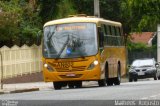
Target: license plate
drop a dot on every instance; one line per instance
(140, 73)
(71, 75)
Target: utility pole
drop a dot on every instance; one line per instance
(1, 70)
(96, 8)
(158, 43)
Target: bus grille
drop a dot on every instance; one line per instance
(70, 69)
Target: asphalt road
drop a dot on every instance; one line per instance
(141, 90)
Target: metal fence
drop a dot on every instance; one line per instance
(20, 60)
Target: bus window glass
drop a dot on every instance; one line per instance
(70, 40)
(108, 28)
(117, 31)
(104, 29)
(113, 30)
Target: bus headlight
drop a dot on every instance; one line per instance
(45, 65)
(48, 67)
(95, 62)
(92, 65)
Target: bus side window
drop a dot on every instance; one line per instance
(108, 29)
(101, 36)
(104, 30)
(113, 30)
(110, 39)
(113, 40)
(118, 37)
(118, 33)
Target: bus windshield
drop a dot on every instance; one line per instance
(70, 40)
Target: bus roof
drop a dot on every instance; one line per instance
(82, 19)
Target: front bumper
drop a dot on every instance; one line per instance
(86, 75)
(147, 74)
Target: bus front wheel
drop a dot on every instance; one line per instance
(109, 81)
(71, 85)
(75, 84)
(102, 82)
(57, 85)
(79, 84)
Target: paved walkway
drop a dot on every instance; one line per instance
(24, 87)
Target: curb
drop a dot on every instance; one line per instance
(1, 92)
(19, 91)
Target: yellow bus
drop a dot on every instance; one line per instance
(83, 48)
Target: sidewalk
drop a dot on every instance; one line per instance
(36, 86)
(25, 87)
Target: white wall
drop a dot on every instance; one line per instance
(20, 60)
(158, 43)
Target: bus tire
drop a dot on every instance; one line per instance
(109, 82)
(71, 85)
(155, 76)
(102, 82)
(78, 84)
(57, 85)
(130, 79)
(118, 79)
(135, 80)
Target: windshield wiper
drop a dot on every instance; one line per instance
(50, 37)
(48, 42)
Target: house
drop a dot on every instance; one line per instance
(143, 37)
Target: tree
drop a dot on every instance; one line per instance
(110, 9)
(48, 9)
(84, 7)
(141, 15)
(10, 17)
(55, 9)
(30, 24)
(65, 8)
(19, 23)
